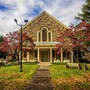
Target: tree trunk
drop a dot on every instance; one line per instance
(77, 56)
(18, 58)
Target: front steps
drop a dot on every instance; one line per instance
(44, 64)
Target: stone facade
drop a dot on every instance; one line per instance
(44, 49)
(44, 20)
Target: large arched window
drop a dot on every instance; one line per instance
(44, 34)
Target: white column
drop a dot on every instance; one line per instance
(50, 54)
(51, 36)
(71, 56)
(40, 36)
(28, 57)
(47, 36)
(38, 55)
(37, 36)
(61, 55)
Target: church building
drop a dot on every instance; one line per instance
(44, 28)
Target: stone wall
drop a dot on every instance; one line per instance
(44, 20)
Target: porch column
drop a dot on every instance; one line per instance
(28, 57)
(50, 54)
(38, 54)
(61, 55)
(71, 56)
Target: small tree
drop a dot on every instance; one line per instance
(66, 44)
(74, 38)
(11, 43)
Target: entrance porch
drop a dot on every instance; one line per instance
(47, 54)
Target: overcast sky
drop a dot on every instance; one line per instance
(63, 10)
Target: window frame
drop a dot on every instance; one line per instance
(40, 37)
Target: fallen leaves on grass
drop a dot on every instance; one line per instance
(71, 83)
(13, 84)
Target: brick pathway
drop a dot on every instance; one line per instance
(42, 79)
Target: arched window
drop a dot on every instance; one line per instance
(44, 34)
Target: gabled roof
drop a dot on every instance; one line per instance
(44, 12)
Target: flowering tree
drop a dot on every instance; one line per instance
(74, 38)
(11, 43)
(66, 44)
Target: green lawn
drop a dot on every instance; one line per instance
(12, 79)
(63, 79)
(69, 79)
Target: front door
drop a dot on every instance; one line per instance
(44, 56)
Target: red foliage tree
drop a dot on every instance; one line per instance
(11, 43)
(73, 38)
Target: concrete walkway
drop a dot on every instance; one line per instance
(42, 79)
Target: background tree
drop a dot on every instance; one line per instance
(1, 38)
(11, 43)
(85, 15)
(1, 53)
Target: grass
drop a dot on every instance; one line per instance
(69, 79)
(63, 79)
(12, 79)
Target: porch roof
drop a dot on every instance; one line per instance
(51, 43)
(46, 43)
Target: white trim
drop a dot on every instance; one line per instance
(38, 55)
(47, 35)
(51, 36)
(43, 28)
(47, 42)
(38, 36)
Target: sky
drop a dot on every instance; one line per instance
(63, 10)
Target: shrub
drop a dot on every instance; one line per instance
(2, 63)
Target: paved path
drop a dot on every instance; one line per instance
(42, 79)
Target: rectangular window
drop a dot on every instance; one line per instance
(39, 37)
(49, 35)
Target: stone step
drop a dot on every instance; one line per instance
(44, 63)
